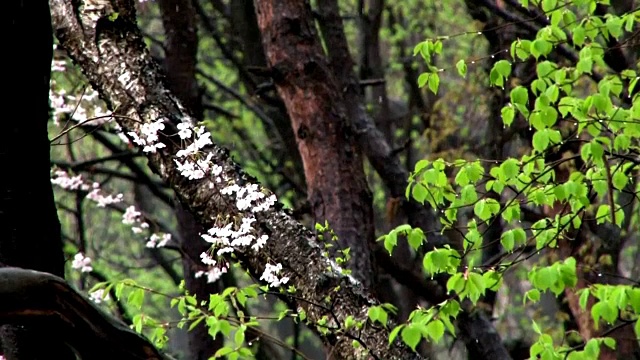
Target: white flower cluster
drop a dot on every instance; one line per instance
(270, 275)
(62, 179)
(226, 239)
(247, 195)
(158, 240)
(102, 200)
(84, 108)
(247, 198)
(82, 263)
(149, 136)
(213, 274)
(203, 138)
(99, 296)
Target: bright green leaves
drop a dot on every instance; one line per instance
(611, 302)
(378, 314)
(461, 66)
(540, 47)
(469, 173)
(429, 183)
(428, 324)
(513, 238)
(499, 73)
(415, 237)
(473, 285)
(411, 335)
(508, 113)
(427, 49)
(443, 260)
(544, 138)
(486, 208)
(604, 214)
(431, 79)
(557, 277)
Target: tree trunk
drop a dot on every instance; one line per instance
(29, 227)
(336, 184)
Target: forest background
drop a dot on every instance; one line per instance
(453, 180)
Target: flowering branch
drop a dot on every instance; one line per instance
(264, 238)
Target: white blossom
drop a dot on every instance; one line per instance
(130, 215)
(270, 275)
(82, 263)
(158, 241)
(99, 296)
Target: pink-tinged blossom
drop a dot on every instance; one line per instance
(99, 296)
(130, 215)
(82, 263)
(158, 241)
(63, 180)
(207, 259)
(101, 200)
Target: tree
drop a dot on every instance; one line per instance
(541, 201)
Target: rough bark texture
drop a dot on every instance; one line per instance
(29, 227)
(181, 48)
(336, 184)
(128, 81)
(38, 298)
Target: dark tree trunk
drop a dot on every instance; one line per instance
(29, 226)
(336, 184)
(181, 48)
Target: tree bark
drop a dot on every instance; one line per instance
(336, 185)
(129, 82)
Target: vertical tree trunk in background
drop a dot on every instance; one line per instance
(29, 226)
(372, 68)
(181, 48)
(336, 184)
(245, 25)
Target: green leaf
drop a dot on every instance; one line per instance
(619, 180)
(462, 68)
(411, 336)
(507, 240)
(224, 351)
(540, 140)
(415, 238)
(422, 79)
(435, 329)
(508, 113)
(520, 95)
(419, 193)
(503, 67)
(510, 168)
(434, 83)
(136, 298)
(394, 333)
